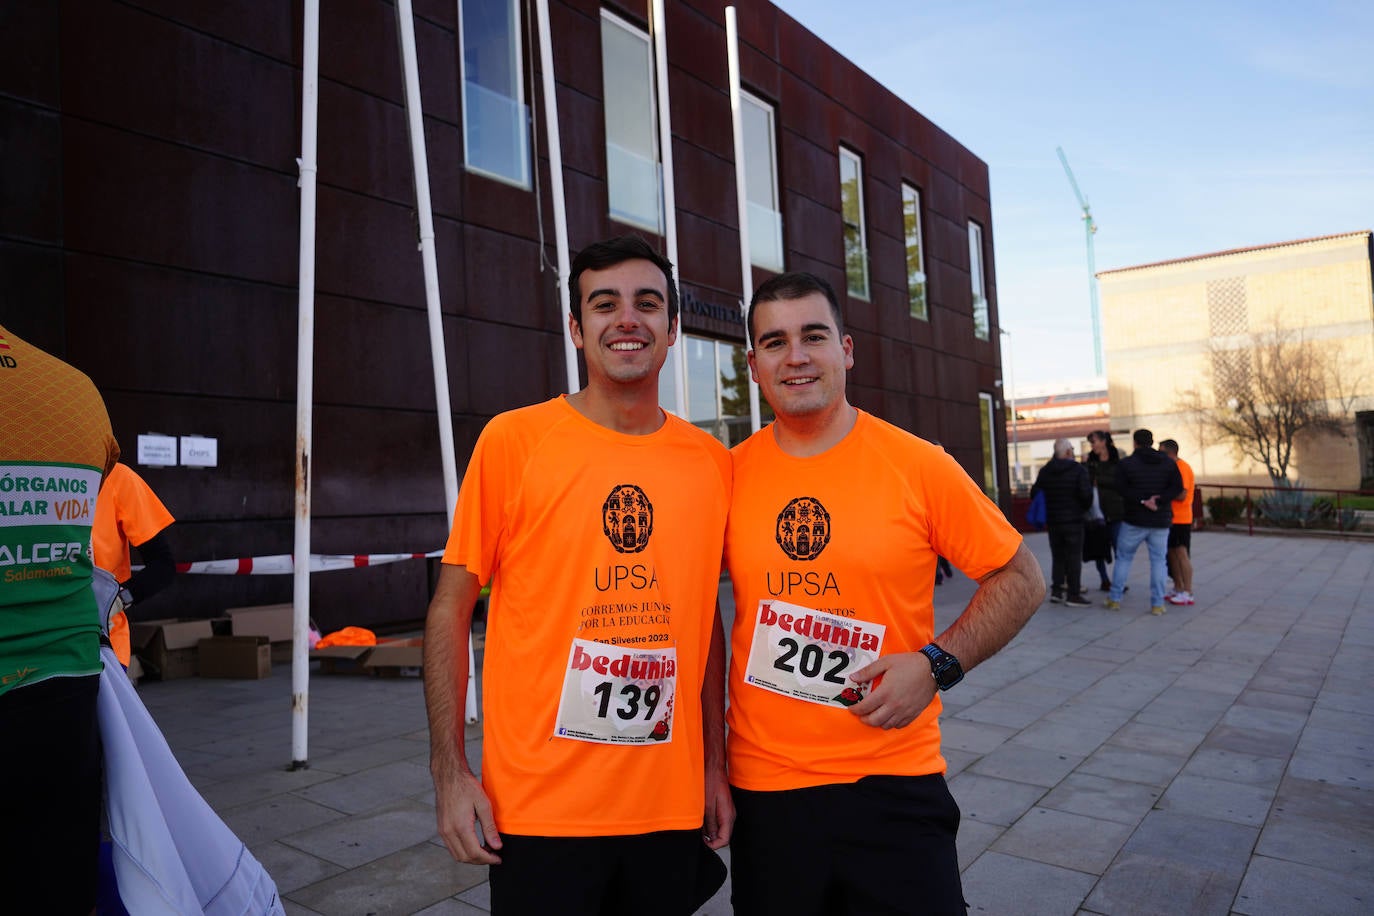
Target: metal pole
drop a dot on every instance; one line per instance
(677, 354)
(741, 197)
(1009, 394)
(305, 373)
(560, 211)
(410, 77)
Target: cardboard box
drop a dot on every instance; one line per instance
(275, 621)
(396, 658)
(341, 659)
(247, 657)
(168, 648)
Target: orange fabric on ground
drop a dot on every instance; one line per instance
(126, 512)
(538, 517)
(348, 636)
(894, 502)
(1183, 506)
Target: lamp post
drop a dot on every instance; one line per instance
(1009, 394)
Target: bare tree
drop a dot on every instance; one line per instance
(1270, 390)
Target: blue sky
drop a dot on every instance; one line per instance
(1190, 127)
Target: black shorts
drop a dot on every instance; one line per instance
(884, 844)
(1181, 536)
(50, 771)
(669, 872)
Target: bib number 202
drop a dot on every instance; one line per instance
(810, 660)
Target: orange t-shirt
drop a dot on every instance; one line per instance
(589, 534)
(1183, 506)
(852, 533)
(126, 512)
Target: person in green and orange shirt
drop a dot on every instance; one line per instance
(598, 521)
(55, 447)
(835, 528)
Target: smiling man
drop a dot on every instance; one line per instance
(598, 521)
(835, 527)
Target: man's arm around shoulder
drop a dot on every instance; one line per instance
(458, 793)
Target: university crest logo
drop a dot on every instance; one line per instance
(803, 528)
(627, 518)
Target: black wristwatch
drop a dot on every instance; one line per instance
(945, 668)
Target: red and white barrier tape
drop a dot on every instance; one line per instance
(284, 564)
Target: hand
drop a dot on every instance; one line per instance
(720, 811)
(1152, 503)
(906, 690)
(461, 801)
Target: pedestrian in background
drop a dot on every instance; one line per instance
(1068, 494)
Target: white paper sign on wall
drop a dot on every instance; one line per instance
(157, 451)
(199, 452)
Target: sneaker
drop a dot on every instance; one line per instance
(1180, 598)
(1056, 597)
(1112, 605)
(1157, 610)
(1169, 594)
(1078, 601)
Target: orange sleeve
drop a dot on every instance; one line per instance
(127, 512)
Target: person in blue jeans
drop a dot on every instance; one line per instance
(1148, 481)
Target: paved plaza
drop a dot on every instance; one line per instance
(1216, 760)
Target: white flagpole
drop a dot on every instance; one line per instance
(410, 75)
(741, 197)
(305, 393)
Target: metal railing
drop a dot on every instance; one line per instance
(1293, 508)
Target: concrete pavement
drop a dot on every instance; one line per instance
(1216, 760)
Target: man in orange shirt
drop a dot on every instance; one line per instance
(129, 512)
(598, 520)
(835, 528)
(1180, 555)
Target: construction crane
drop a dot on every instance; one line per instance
(1090, 228)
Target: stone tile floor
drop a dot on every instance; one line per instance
(1216, 760)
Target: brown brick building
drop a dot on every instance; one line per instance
(149, 234)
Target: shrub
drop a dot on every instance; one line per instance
(1226, 509)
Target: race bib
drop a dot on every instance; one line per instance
(809, 655)
(615, 695)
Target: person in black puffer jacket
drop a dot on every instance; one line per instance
(1148, 481)
(1068, 494)
(1102, 464)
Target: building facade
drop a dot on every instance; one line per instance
(1044, 413)
(149, 235)
(1187, 326)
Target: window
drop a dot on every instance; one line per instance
(989, 445)
(852, 213)
(632, 166)
(761, 183)
(718, 388)
(978, 280)
(495, 118)
(915, 254)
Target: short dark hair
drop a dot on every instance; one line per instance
(1169, 445)
(1143, 438)
(794, 285)
(608, 253)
